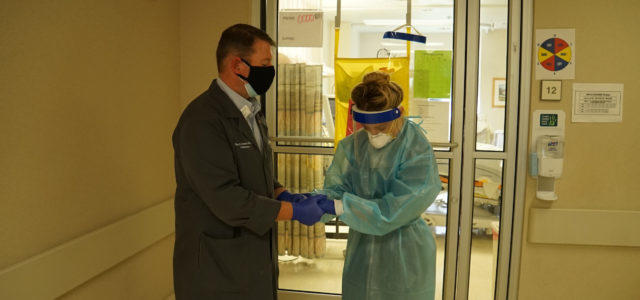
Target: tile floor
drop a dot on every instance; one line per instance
(324, 274)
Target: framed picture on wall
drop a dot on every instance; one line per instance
(499, 92)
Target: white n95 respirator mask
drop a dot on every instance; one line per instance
(379, 140)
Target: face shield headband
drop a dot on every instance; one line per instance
(375, 117)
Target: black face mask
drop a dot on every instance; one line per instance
(260, 79)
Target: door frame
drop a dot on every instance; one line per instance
(465, 81)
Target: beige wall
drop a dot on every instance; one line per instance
(601, 160)
(90, 96)
(143, 276)
(201, 24)
(91, 92)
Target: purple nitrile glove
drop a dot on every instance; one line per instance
(327, 205)
(286, 196)
(307, 211)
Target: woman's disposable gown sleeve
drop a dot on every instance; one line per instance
(410, 184)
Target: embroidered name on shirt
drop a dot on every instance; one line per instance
(243, 145)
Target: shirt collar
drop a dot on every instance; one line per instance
(248, 108)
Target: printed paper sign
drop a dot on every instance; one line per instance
(597, 102)
(434, 116)
(300, 29)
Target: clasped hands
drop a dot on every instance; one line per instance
(308, 208)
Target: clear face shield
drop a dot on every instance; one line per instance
(381, 127)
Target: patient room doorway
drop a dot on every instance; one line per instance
(464, 88)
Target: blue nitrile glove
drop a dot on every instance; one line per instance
(286, 196)
(327, 205)
(307, 211)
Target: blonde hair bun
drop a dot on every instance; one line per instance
(376, 92)
(377, 78)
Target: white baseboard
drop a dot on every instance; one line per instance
(61, 269)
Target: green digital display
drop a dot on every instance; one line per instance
(548, 120)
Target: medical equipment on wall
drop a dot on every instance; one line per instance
(547, 151)
(550, 160)
(394, 34)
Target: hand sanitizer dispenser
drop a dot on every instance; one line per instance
(550, 152)
(547, 151)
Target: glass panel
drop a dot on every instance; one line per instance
(436, 217)
(321, 271)
(492, 88)
(486, 224)
(310, 258)
(302, 173)
(302, 109)
(306, 98)
(306, 106)
(304, 94)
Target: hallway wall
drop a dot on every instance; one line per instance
(91, 92)
(601, 159)
(90, 96)
(201, 24)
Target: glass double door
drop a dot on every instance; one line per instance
(462, 88)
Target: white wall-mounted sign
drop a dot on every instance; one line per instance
(551, 90)
(434, 118)
(597, 102)
(556, 53)
(300, 29)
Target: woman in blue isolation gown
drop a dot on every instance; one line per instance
(382, 178)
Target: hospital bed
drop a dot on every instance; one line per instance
(487, 194)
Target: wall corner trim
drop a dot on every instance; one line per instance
(58, 270)
(584, 227)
